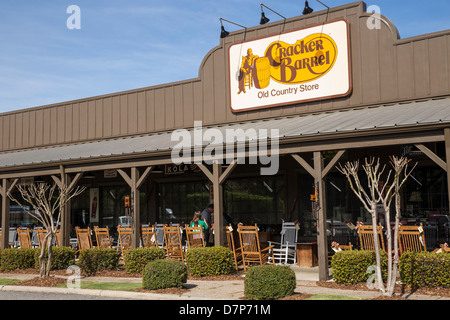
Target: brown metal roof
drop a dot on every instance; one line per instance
(398, 115)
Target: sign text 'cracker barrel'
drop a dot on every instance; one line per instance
(292, 67)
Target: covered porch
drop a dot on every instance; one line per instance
(308, 146)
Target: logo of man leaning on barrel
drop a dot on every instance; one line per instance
(306, 60)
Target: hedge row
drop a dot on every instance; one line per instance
(12, 259)
(425, 269)
(416, 269)
(136, 259)
(351, 266)
(208, 261)
(98, 259)
(200, 261)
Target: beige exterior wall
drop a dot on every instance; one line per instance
(384, 70)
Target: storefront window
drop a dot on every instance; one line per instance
(258, 200)
(307, 220)
(80, 210)
(18, 217)
(112, 204)
(178, 201)
(423, 201)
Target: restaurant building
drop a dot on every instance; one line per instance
(274, 108)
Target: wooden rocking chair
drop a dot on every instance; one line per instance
(125, 240)
(11, 245)
(24, 238)
(237, 252)
(173, 247)
(58, 238)
(194, 237)
(83, 238)
(366, 237)
(252, 253)
(148, 237)
(102, 237)
(348, 246)
(40, 233)
(411, 238)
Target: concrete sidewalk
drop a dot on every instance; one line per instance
(206, 290)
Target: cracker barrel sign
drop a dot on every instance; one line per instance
(293, 67)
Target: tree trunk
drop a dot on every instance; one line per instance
(377, 249)
(45, 262)
(396, 257)
(42, 260)
(390, 275)
(49, 255)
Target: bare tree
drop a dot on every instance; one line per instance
(369, 198)
(381, 190)
(46, 208)
(401, 174)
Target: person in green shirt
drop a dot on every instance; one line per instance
(198, 222)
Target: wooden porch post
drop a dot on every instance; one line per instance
(5, 190)
(217, 177)
(319, 173)
(447, 159)
(218, 205)
(135, 183)
(66, 182)
(5, 214)
(65, 214)
(321, 217)
(136, 205)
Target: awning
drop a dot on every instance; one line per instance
(417, 113)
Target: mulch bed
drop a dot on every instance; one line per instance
(381, 297)
(399, 288)
(174, 290)
(297, 296)
(41, 282)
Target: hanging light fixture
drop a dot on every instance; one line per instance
(307, 9)
(264, 19)
(225, 33)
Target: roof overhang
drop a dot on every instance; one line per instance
(400, 123)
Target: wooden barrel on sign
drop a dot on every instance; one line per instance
(261, 72)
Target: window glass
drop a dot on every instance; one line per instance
(258, 200)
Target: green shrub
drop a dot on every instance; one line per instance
(351, 266)
(136, 259)
(269, 282)
(425, 269)
(97, 259)
(162, 274)
(12, 259)
(207, 261)
(63, 257)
